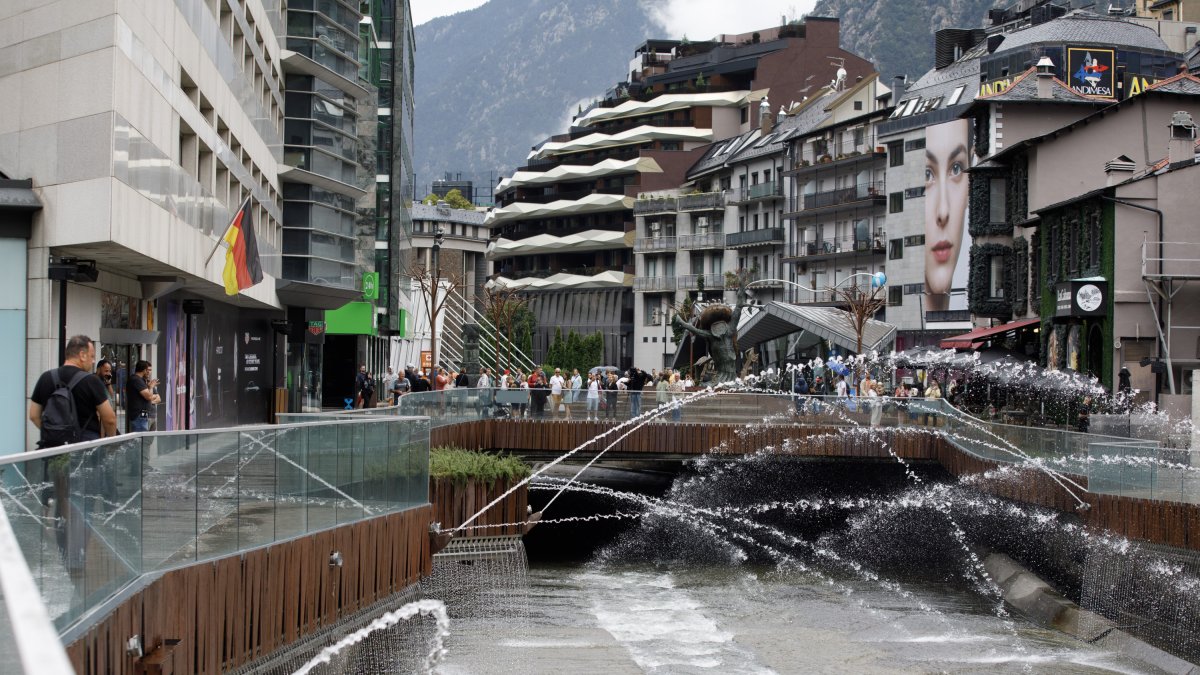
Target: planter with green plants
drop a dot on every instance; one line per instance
(461, 482)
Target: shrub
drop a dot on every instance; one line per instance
(461, 465)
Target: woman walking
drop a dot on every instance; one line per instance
(593, 397)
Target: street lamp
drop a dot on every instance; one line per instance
(439, 238)
(62, 271)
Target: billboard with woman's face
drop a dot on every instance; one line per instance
(947, 158)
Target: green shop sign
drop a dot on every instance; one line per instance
(370, 286)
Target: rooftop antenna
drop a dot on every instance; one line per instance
(840, 78)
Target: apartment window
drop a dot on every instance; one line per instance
(996, 278)
(754, 178)
(895, 296)
(914, 145)
(896, 202)
(766, 175)
(858, 133)
(858, 105)
(914, 192)
(745, 114)
(996, 200)
(896, 153)
(915, 240)
(895, 249)
(914, 289)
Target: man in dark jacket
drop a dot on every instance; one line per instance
(637, 382)
(800, 388)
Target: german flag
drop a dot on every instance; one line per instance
(242, 267)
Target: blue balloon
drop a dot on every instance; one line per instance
(878, 280)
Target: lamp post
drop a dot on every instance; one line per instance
(62, 271)
(439, 237)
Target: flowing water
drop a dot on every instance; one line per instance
(643, 618)
(765, 566)
(772, 565)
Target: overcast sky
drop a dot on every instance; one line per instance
(698, 19)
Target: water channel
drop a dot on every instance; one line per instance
(807, 568)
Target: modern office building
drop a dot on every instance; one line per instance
(575, 198)
(348, 121)
(141, 129)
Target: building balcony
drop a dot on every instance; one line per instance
(831, 248)
(692, 242)
(654, 205)
(850, 157)
(590, 203)
(690, 282)
(767, 236)
(653, 284)
(706, 201)
(565, 196)
(764, 281)
(547, 273)
(654, 245)
(831, 201)
(760, 192)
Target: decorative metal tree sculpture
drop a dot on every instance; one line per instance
(862, 303)
(501, 305)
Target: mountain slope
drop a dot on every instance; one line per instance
(493, 81)
(897, 35)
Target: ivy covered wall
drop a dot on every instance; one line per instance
(1018, 276)
(979, 299)
(1077, 241)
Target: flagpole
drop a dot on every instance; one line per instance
(221, 239)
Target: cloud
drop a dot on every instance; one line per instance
(426, 10)
(705, 19)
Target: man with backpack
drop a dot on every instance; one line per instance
(69, 404)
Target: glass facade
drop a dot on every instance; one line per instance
(321, 137)
(386, 62)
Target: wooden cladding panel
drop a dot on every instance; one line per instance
(455, 503)
(679, 438)
(231, 611)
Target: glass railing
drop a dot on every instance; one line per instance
(28, 641)
(1112, 465)
(93, 517)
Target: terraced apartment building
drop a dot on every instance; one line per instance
(564, 226)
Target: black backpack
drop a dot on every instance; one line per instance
(60, 423)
